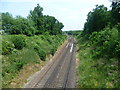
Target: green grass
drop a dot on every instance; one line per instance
(87, 73)
(96, 73)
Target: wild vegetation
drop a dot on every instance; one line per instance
(99, 49)
(28, 41)
(20, 50)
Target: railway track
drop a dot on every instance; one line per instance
(58, 73)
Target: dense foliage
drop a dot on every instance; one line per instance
(35, 24)
(18, 25)
(99, 48)
(105, 43)
(20, 50)
(96, 20)
(100, 17)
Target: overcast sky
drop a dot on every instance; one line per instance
(72, 13)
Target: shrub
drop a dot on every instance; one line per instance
(105, 43)
(118, 50)
(42, 54)
(19, 64)
(7, 47)
(19, 42)
(52, 51)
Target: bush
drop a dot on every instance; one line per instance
(52, 51)
(105, 43)
(42, 54)
(12, 69)
(19, 64)
(19, 42)
(7, 47)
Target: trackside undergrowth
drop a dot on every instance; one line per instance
(19, 50)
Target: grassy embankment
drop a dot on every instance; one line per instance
(23, 55)
(98, 65)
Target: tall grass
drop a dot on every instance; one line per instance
(88, 75)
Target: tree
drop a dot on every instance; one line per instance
(52, 25)
(18, 25)
(35, 24)
(37, 16)
(45, 23)
(7, 22)
(57, 28)
(115, 12)
(97, 19)
(23, 26)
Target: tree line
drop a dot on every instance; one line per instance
(101, 17)
(35, 24)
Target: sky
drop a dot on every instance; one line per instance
(72, 13)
